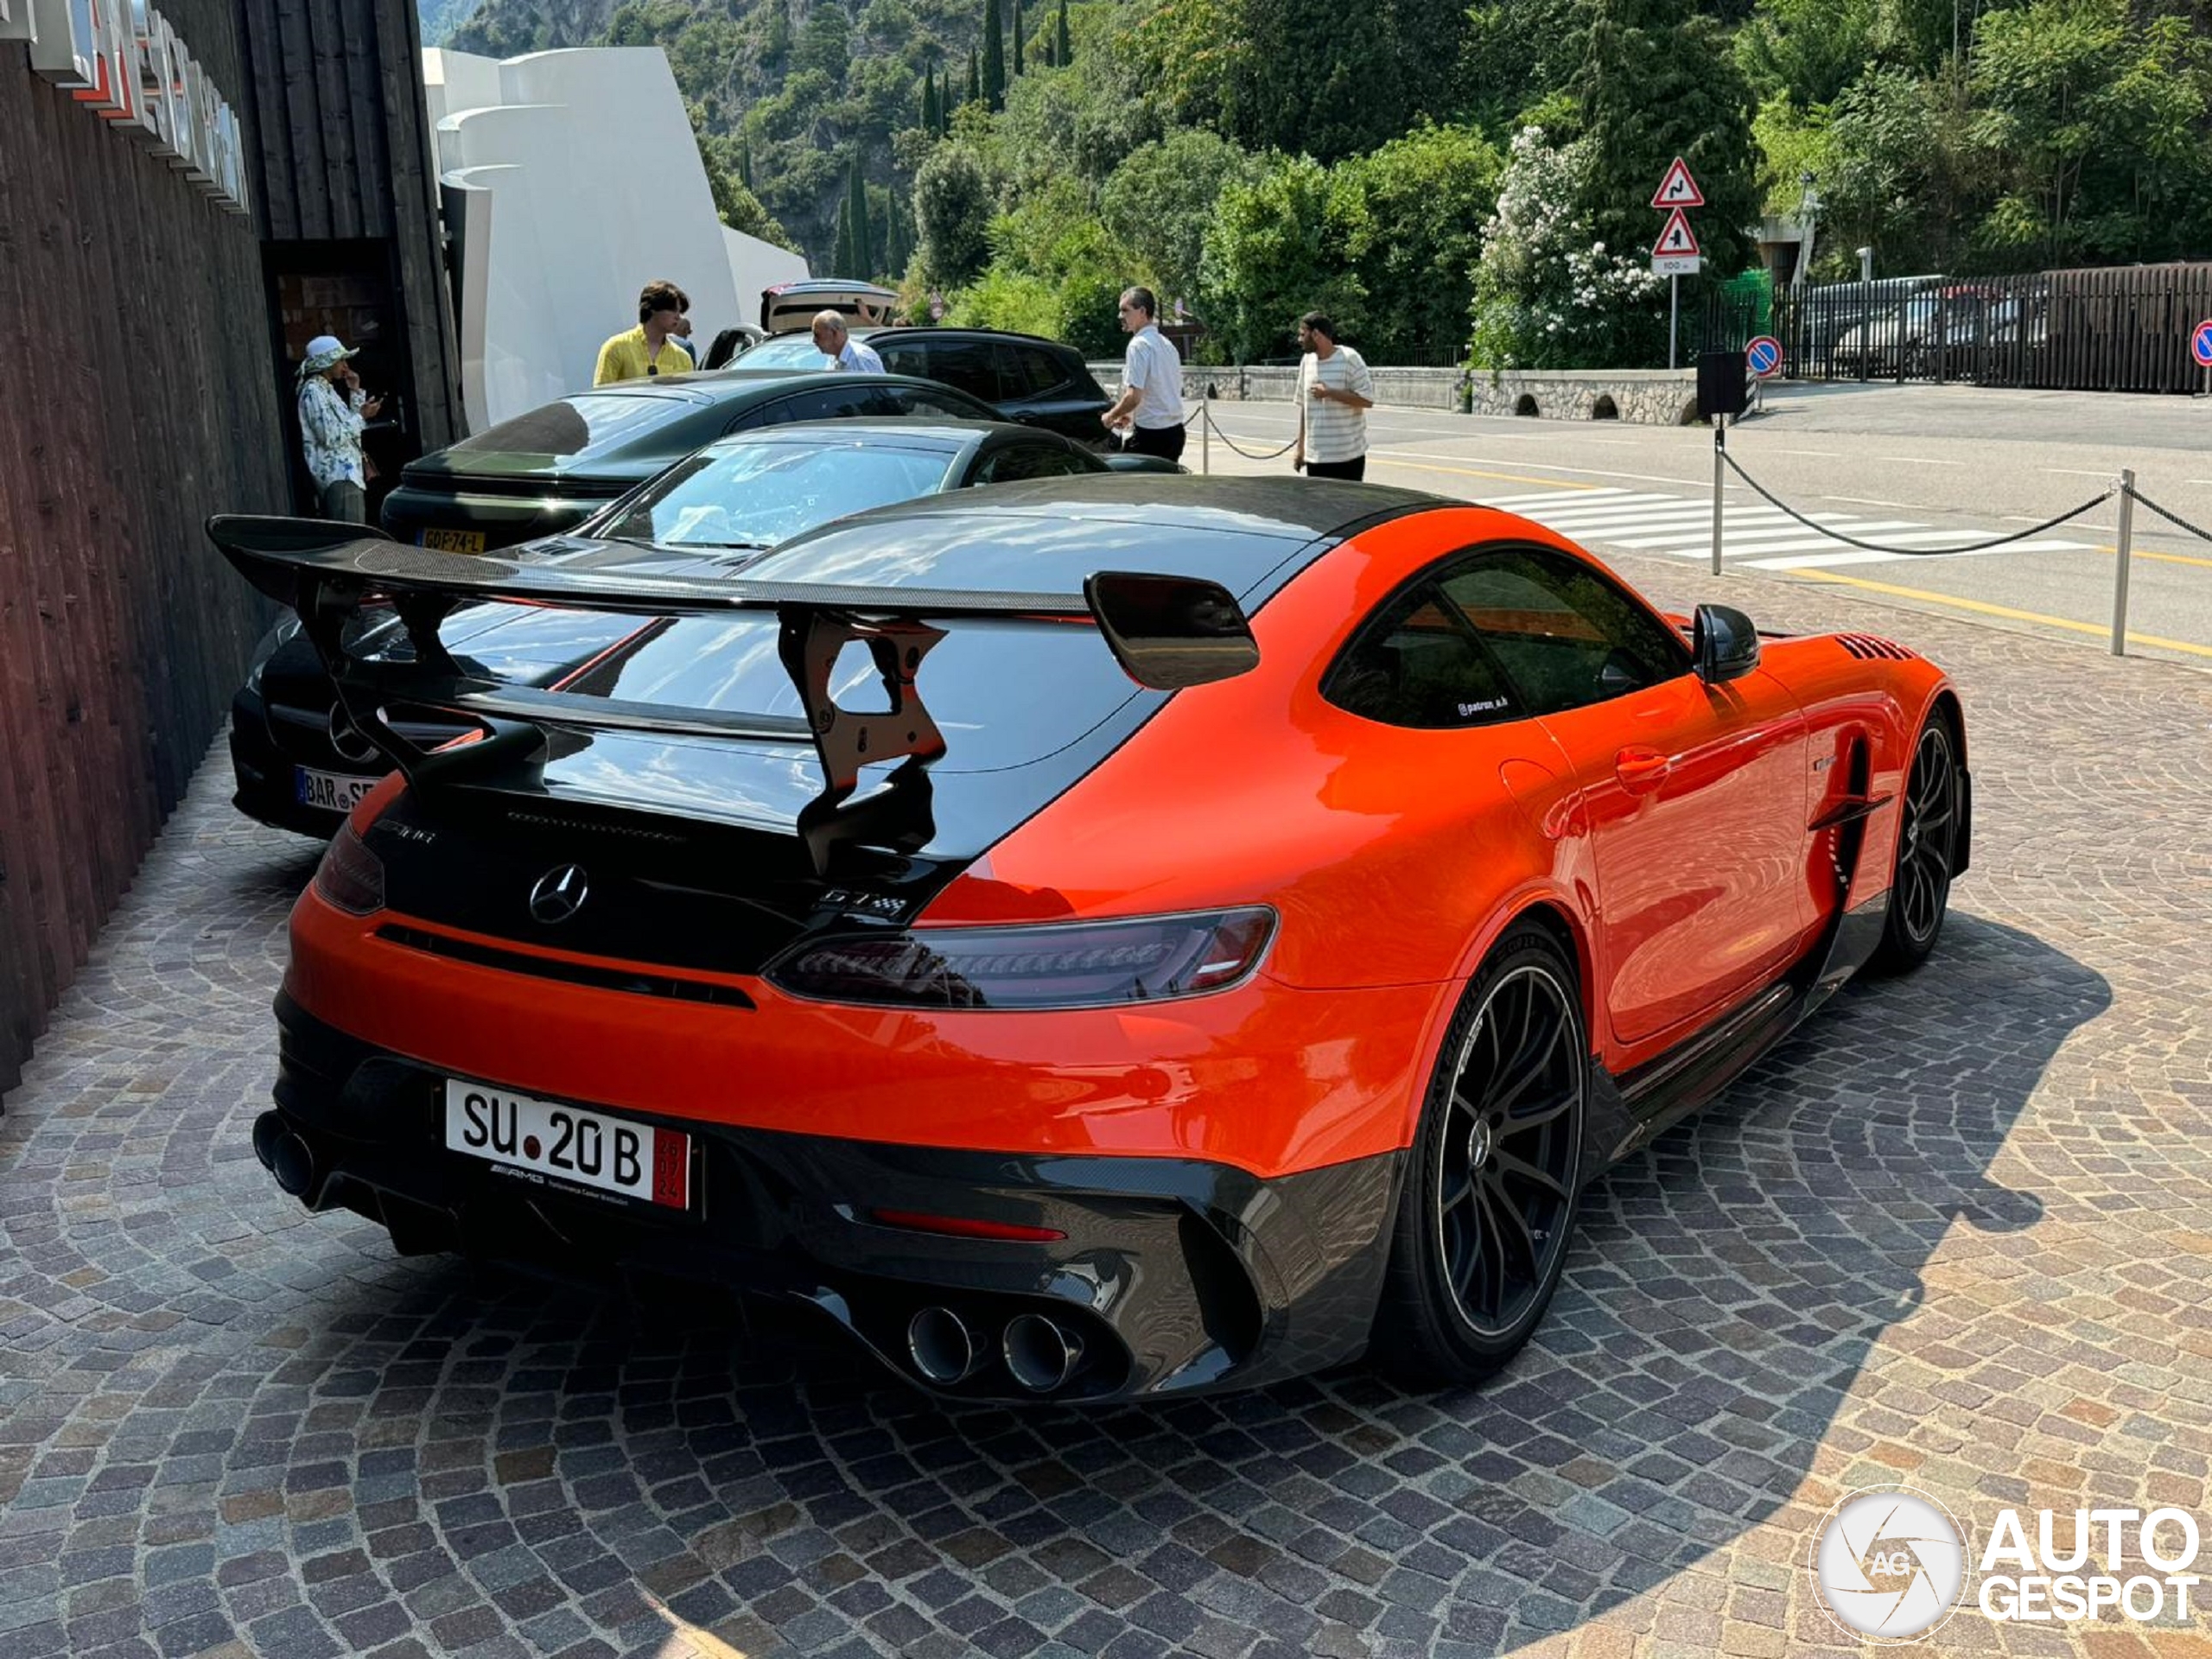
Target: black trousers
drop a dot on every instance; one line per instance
(1354, 470)
(1166, 441)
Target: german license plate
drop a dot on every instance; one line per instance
(451, 541)
(334, 792)
(565, 1143)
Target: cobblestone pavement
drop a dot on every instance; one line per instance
(1955, 1233)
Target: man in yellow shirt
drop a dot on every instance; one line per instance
(648, 347)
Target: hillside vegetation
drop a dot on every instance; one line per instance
(1428, 170)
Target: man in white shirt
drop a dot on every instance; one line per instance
(1335, 391)
(1150, 408)
(834, 340)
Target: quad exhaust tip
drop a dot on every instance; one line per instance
(941, 1346)
(1042, 1354)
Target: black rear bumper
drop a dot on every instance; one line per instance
(1174, 1274)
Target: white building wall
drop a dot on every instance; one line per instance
(571, 180)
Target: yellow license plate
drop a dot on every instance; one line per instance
(451, 541)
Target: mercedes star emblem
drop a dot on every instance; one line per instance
(347, 738)
(559, 894)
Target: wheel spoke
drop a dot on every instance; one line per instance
(1507, 1163)
(1502, 1209)
(1535, 1117)
(1531, 1061)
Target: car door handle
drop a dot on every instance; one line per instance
(1640, 768)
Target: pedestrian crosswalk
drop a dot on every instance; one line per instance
(1752, 533)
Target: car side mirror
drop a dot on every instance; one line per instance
(1726, 644)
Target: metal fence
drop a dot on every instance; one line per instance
(2124, 329)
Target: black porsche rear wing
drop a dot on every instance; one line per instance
(1166, 631)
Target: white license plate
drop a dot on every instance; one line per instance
(334, 792)
(568, 1144)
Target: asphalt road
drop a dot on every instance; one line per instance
(1928, 464)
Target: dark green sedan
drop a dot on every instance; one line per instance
(546, 471)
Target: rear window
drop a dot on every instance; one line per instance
(573, 426)
(732, 663)
(785, 351)
(758, 495)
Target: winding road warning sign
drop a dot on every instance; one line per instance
(1678, 189)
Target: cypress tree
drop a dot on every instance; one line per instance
(1017, 39)
(993, 56)
(975, 81)
(929, 101)
(863, 263)
(842, 257)
(1063, 48)
(744, 162)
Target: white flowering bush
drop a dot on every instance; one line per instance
(1549, 295)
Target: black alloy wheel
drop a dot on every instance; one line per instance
(1927, 827)
(1488, 1208)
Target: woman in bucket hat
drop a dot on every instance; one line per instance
(332, 411)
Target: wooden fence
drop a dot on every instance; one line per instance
(136, 397)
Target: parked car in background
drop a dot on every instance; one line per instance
(1038, 382)
(298, 763)
(791, 306)
(549, 470)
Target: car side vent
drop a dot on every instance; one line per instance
(587, 827)
(1869, 645)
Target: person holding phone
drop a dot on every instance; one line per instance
(332, 411)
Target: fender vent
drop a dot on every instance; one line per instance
(1871, 645)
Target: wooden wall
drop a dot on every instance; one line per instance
(343, 157)
(135, 400)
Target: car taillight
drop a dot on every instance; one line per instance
(350, 876)
(1049, 965)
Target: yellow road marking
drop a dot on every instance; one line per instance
(1988, 609)
(2164, 558)
(1475, 471)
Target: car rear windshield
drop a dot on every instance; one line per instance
(732, 663)
(759, 494)
(785, 351)
(574, 426)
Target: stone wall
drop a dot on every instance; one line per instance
(1654, 397)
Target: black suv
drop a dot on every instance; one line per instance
(1035, 381)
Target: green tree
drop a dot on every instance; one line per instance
(735, 203)
(1159, 200)
(1897, 175)
(1427, 196)
(1289, 242)
(1063, 48)
(1017, 39)
(1514, 53)
(1328, 83)
(2096, 125)
(993, 56)
(863, 244)
(1658, 81)
(952, 215)
(1809, 50)
(929, 100)
(975, 79)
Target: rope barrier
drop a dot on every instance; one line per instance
(1772, 500)
(2197, 530)
(1205, 410)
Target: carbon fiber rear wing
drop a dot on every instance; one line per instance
(1166, 631)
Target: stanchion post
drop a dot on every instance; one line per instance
(1205, 435)
(1719, 452)
(2119, 576)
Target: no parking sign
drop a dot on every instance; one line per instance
(2200, 344)
(1763, 357)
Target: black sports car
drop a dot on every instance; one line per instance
(548, 471)
(1036, 381)
(301, 765)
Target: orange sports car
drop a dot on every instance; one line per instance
(1095, 939)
